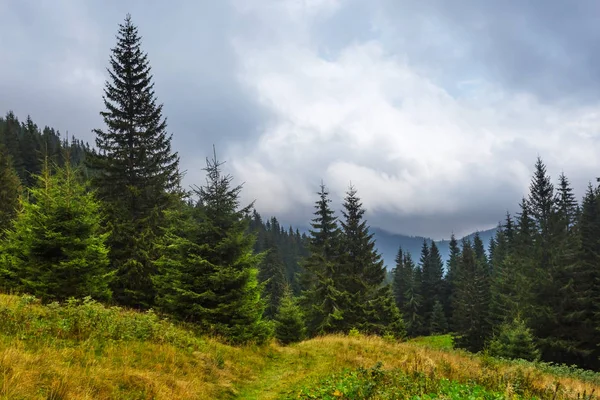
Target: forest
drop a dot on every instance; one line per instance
(113, 222)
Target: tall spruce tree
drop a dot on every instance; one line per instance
(545, 288)
(470, 312)
(367, 302)
(412, 310)
(272, 276)
(208, 271)
(450, 278)
(582, 314)
(10, 189)
(432, 286)
(135, 170)
(402, 274)
(55, 249)
(321, 297)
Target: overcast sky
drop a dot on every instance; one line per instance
(435, 110)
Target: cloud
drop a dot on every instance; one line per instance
(414, 150)
(435, 111)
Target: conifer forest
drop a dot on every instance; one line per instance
(112, 221)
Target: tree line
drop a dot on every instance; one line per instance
(538, 284)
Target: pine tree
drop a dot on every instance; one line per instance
(402, 274)
(11, 141)
(321, 297)
(289, 323)
(10, 189)
(514, 341)
(55, 249)
(368, 303)
(432, 286)
(545, 271)
(565, 334)
(272, 276)
(499, 279)
(135, 171)
(470, 312)
(412, 311)
(581, 312)
(450, 279)
(438, 323)
(208, 273)
(30, 146)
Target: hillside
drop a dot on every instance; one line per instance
(87, 351)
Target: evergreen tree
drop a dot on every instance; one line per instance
(450, 278)
(402, 274)
(289, 323)
(208, 273)
(321, 297)
(438, 323)
(272, 276)
(412, 310)
(55, 249)
(432, 286)
(545, 271)
(10, 189)
(581, 291)
(367, 302)
(135, 171)
(514, 341)
(29, 147)
(11, 141)
(470, 312)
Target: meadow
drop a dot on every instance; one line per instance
(84, 350)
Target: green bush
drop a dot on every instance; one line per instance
(514, 341)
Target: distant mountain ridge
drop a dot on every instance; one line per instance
(388, 243)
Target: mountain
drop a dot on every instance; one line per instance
(388, 243)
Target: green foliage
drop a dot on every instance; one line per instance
(432, 284)
(321, 296)
(470, 308)
(55, 249)
(365, 303)
(412, 309)
(514, 340)
(136, 173)
(10, 190)
(290, 245)
(208, 272)
(272, 276)
(289, 322)
(87, 319)
(438, 323)
(377, 383)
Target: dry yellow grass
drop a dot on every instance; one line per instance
(91, 369)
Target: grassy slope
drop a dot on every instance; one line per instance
(90, 352)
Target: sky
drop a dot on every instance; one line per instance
(434, 110)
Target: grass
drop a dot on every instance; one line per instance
(83, 350)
